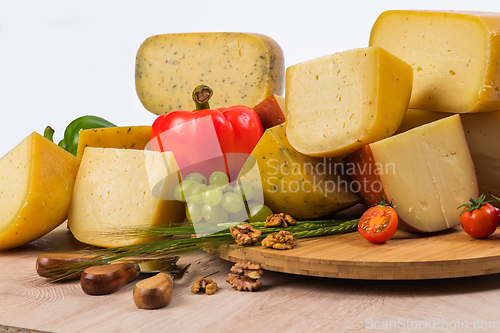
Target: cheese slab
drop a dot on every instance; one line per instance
(36, 182)
(302, 186)
(454, 56)
(128, 137)
(482, 134)
(123, 188)
(341, 102)
(427, 173)
(241, 68)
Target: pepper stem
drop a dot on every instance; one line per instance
(49, 133)
(201, 95)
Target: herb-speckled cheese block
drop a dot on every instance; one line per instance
(302, 186)
(117, 189)
(129, 137)
(341, 102)
(241, 68)
(36, 182)
(455, 56)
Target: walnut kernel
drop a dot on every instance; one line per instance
(244, 276)
(279, 220)
(282, 240)
(245, 234)
(208, 285)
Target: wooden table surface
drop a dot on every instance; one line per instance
(286, 302)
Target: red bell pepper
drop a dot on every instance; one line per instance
(202, 139)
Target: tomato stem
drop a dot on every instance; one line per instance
(201, 95)
(475, 204)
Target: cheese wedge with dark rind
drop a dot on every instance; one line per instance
(427, 173)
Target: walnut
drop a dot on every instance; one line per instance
(279, 220)
(245, 234)
(282, 240)
(208, 284)
(244, 276)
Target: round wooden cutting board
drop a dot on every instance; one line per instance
(407, 256)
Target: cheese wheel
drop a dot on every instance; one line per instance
(454, 55)
(302, 186)
(241, 68)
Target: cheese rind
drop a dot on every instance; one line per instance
(454, 56)
(341, 102)
(302, 186)
(271, 111)
(427, 173)
(36, 182)
(123, 188)
(241, 68)
(129, 137)
(482, 134)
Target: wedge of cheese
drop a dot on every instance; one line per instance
(482, 134)
(119, 189)
(36, 182)
(427, 173)
(302, 186)
(241, 68)
(129, 137)
(454, 56)
(339, 103)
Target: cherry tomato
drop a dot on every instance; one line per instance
(479, 219)
(379, 223)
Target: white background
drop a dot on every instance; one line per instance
(63, 59)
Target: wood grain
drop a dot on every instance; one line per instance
(407, 256)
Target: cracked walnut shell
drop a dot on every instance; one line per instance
(282, 240)
(279, 220)
(208, 285)
(245, 234)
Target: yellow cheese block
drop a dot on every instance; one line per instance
(123, 188)
(36, 182)
(241, 68)
(341, 102)
(129, 137)
(482, 134)
(302, 186)
(427, 173)
(454, 56)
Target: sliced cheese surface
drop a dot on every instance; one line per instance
(339, 103)
(427, 172)
(36, 183)
(302, 186)
(241, 69)
(482, 134)
(120, 188)
(129, 137)
(454, 56)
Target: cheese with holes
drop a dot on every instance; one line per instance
(36, 182)
(427, 173)
(116, 189)
(454, 55)
(241, 68)
(339, 103)
(302, 186)
(482, 134)
(129, 137)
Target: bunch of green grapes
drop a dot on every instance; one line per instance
(216, 201)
